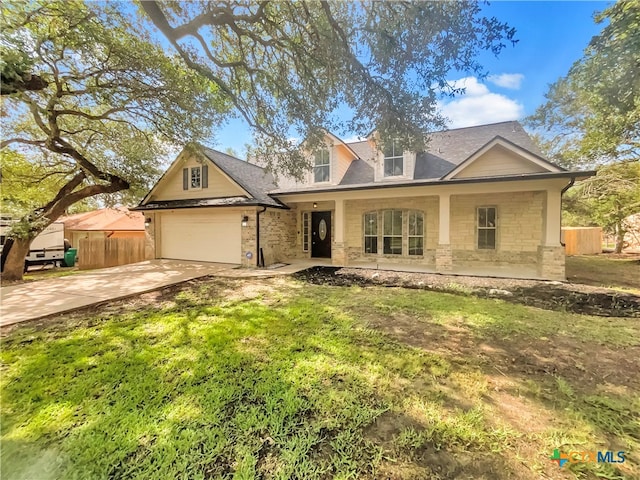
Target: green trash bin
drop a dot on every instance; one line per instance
(70, 257)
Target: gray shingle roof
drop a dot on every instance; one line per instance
(456, 145)
(358, 172)
(198, 202)
(252, 178)
(446, 149)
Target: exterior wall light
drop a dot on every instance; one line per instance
(315, 205)
(245, 221)
(147, 222)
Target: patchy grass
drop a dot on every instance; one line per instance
(44, 274)
(276, 379)
(611, 271)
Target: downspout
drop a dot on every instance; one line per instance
(562, 192)
(258, 260)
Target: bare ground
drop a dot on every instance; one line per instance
(575, 298)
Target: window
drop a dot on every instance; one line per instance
(305, 231)
(196, 177)
(321, 167)
(486, 228)
(392, 232)
(415, 227)
(371, 232)
(393, 164)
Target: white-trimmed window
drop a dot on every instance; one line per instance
(321, 166)
(392, 232)
(393, 160)
(196, 177)
(487, 228)
(370, 229)
(415, 231)
(305, 231)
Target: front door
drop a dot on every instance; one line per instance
(321, 234)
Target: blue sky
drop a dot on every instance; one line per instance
(552, 35)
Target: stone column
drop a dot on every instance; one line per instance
(551, 265)
(338, 246)
(444, 256)
(248, 239)
(150, 228)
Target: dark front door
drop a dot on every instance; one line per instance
(321, 234)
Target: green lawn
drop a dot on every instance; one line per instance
(611, 271)
(273, 378)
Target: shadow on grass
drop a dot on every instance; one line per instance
(216, 389)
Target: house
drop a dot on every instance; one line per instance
(480, 200)
(103, 223)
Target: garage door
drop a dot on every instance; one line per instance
(205, 237)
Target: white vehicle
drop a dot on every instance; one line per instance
(47, 247)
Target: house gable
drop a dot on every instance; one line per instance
(214, 182)
(500, 157)
(340, 158)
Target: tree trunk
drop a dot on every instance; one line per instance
(620, 232)
(14, 265)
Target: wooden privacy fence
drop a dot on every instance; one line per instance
(582, 240)
(109, 252)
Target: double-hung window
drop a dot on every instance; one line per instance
(487, 227)
(415, 227)
(321, 166)
(195, 177)
(393, 160)
(392, 232)
(370, 232)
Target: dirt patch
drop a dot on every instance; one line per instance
(582, 299)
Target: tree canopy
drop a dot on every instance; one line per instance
(287, 66)
(112, 104)
(592, 115)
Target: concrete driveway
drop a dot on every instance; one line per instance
(32, 300)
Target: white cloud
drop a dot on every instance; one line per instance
(471, 86)
(353, 139)
(507, 80)
(478, 105)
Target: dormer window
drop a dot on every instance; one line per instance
(196, 177)
(393, 160)
(321, 166)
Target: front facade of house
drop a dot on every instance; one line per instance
(482, 200)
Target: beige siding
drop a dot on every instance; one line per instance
(340, 158)
(500, 161)
(340, 164)
(170, 187)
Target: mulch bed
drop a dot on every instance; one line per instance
(569, 297)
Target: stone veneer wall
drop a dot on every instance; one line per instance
(551, 263)
(518, 235)
(150, 251)
(277, 235)
(354, 209)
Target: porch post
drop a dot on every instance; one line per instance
(444, 258)
(338, 248)
(550, 251)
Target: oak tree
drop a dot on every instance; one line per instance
(592, 115)
(288, 66)
(112, 103)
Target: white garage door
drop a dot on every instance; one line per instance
(205, 237)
